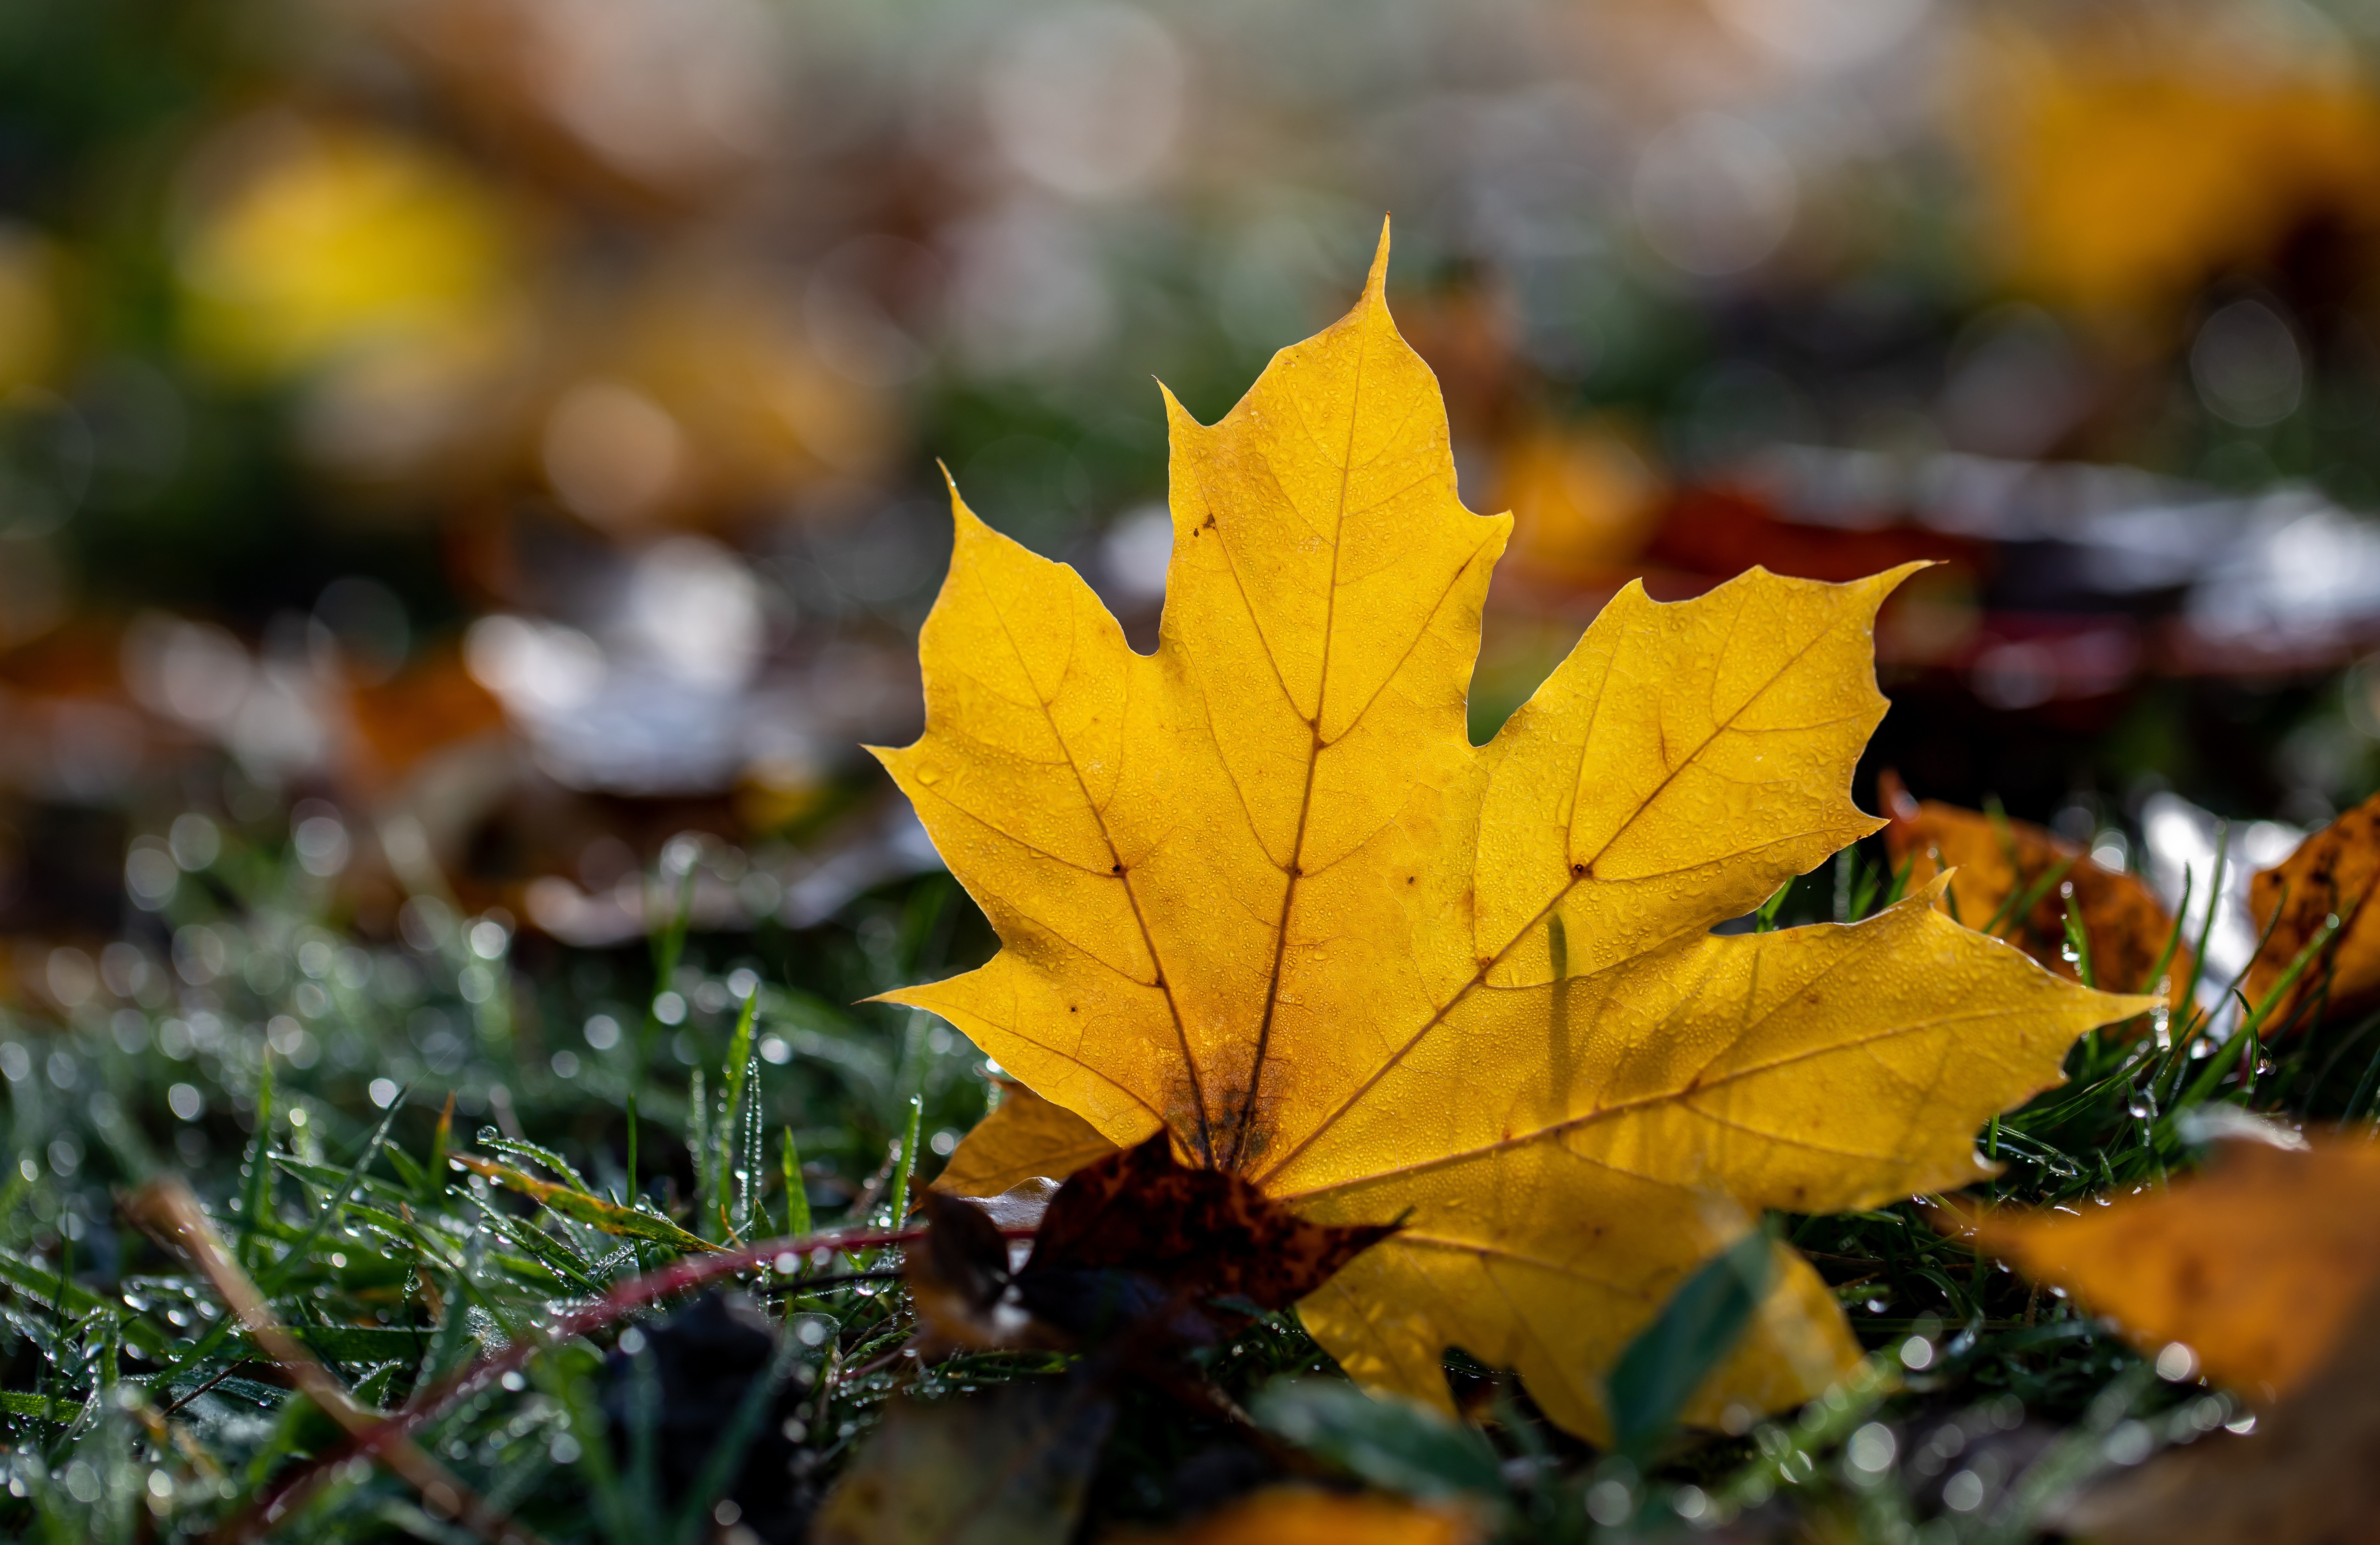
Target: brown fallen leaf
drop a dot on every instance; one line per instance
(1134, 1237)
(961, 1280)
(1024, 1137)
(1299, 1515)
(2258, 1265)
(1202, 1232)
(1996, 859)
(2308, 1475)
(2330, 874)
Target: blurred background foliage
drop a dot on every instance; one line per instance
(499, 437)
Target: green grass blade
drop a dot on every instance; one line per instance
(2358, 1105)
(2021, 903)
(256, 1196)
(540, 1155)
(797, 1200)
(1900, 886)
(2172, 939)
(339, 1199)
(2078, 942)
(2214, 905)
(908, 1165)
(1700, 1324)
(732, 1078)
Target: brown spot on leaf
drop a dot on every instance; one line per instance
(1199, 1233)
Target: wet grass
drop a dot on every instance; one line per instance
(240, 1041)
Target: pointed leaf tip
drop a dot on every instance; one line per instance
(1375, 284)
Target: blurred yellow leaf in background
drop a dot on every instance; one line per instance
(2122, 168)
(332, 241)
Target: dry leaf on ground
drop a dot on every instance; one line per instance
(1298, 1516)
(2267, 1267)
(1010, 1466)
(2258, 1265)
(1259, 890)
(2306, 1475)
(1190, 1232)
(2329, 875)
(1995, 860)
(1131, 1239)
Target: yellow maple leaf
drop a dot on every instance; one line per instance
(1258, 889)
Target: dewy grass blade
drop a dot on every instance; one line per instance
(300, 1251)
(697, 1147)
(539, 1155)
(798, 1201)
(2078, 942)
(2019, 903)
(908, 1165)
(750, 1177)
(256, 1197)
(733, 1075)
(2206, 929)
(2219, 1064)
(2172, 939)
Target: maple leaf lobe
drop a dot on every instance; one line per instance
(1259, 892)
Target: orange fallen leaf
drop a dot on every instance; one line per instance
(399, 723)
(2331, 875)
(2257, 1265)
(1996, 859)
(2304, 1476)
(1296, 1515)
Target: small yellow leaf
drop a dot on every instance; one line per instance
(1260, 890)
(1024, 1138)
